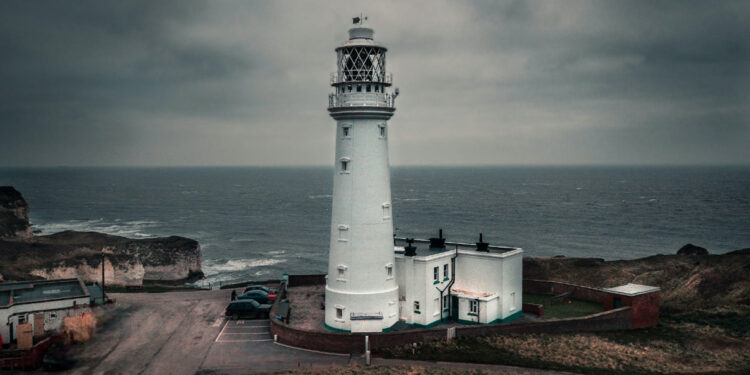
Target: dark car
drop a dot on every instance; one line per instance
(255, 295)
(271, 292)
(247, 309)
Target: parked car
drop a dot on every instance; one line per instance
(256, 295)
(247, 309)
(271, 292)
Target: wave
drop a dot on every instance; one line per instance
(321, 196)
(134, 228)
(235, 265)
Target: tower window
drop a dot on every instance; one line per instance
(382, 130)
(339, 313)
(359, 88)
(345, 130)
(342, 232)
(341, 273)
(345, 165)
(369, 88)
(386, 211)
(389, 270)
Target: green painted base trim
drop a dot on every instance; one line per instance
(425, 326)
(436, 282)
(388, 329)
(417, 312)
(335, 329)
(446, 279)
(468, 322)
(472, 314)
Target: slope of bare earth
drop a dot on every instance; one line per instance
(687, 282)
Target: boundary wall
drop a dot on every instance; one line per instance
(339, 342)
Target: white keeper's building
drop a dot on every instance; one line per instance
(374, 279)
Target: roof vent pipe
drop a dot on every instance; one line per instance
(410, 250)
(438, 243)
(482, 246)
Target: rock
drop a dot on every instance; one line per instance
(14, 214)
(691, 249)
(68, 254)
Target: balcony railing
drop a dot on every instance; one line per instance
(361, 100)
(337, 77)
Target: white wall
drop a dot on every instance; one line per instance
(59, 307)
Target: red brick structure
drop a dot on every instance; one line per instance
(642, 299)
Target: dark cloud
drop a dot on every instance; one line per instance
(236, 83)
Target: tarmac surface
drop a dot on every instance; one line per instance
(186, 333)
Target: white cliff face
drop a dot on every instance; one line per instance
(122, 274)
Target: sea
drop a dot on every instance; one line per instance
(255, 223)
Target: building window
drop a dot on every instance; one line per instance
(436, 273)
(339, 313)
(344, 165)
(349, 88)
(473, 306)
(345, 130)
(445, 271)
(446, 299)
(341, 273)
(359, 88)
(416, 307)
(389, 270)
(386, 211)
(382, 130)
(512, 301)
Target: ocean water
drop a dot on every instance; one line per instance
(255, 223)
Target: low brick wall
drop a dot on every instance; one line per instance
(533, 308)
(340, 342)
(584, 293)
(304, 280)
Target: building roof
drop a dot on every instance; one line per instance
(424, 249)
(40, 291)
(631, 289)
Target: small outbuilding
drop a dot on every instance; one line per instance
(39, 305)
(642, 299)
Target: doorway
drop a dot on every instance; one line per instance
(454, 307)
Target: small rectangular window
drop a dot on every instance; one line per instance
(341, 273)
(359, 88)
(382, 130)
(342, 233)
(345, 131)
(445, 271)
(377, 88)
(349, 88)
(473, 306)
(436, 273)
(416, 306)
(339, 313)
(369, 88)
(344, 165)
(386, 211)
(389, 270)
(445, 302)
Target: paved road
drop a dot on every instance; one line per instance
(185, 333)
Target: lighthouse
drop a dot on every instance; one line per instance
(361, 292)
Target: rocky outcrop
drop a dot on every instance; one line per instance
(691, 249)
(167, 260)
(14, 214)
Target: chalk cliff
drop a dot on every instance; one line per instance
(79, 254)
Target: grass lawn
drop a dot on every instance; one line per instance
(562, 308)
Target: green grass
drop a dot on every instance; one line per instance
(561, 309)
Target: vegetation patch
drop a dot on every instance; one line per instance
(709, 342)
(561, 308)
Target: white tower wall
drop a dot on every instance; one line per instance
(359, 284)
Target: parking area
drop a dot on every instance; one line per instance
(245, 331)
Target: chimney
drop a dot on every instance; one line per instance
(410, 250)
(482, 246)
(439, 242)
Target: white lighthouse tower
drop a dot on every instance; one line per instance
(361, 289)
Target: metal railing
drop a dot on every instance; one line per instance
(340, 77)
(361, 100)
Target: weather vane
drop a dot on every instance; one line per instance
(359, 20)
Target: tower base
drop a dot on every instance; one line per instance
(361, 312)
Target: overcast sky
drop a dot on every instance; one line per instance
(489, 83)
